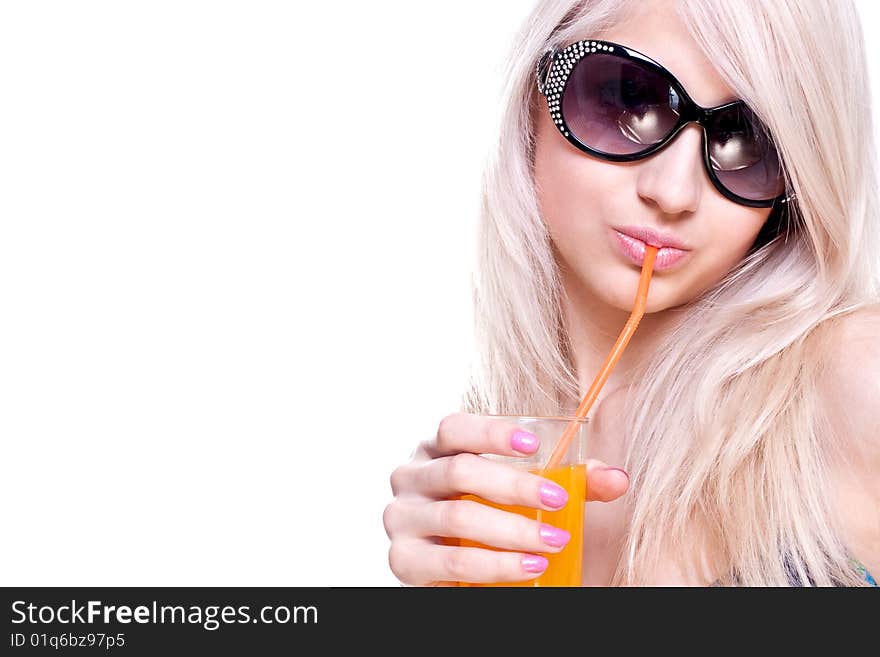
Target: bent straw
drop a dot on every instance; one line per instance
(610, 361)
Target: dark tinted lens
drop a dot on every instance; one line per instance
(618, 106)
(743, 156)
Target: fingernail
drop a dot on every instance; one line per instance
(553, 536)
(533, 563)
(525, 442)
(553, 495)
(621, 470)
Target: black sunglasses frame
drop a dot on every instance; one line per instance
(552, 73)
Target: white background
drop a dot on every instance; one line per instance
(235, 249)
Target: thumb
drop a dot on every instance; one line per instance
(604, 483)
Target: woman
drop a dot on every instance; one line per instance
(745, 410)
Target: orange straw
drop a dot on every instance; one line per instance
(610, 361)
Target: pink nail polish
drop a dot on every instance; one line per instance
(553, 536)
(533, 563)
(525, 442)
(621, 470)
(553, 495)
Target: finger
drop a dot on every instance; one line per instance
(605, 484)
(445, 563)
(469, 473)
(478, 434)
(395, 518)
(484, 524)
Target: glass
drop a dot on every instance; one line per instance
(565, 568)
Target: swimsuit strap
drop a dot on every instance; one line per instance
(860, 568)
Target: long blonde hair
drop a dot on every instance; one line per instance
(731, 437)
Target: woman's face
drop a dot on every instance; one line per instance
(583, 198)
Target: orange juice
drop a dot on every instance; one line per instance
(565, 568)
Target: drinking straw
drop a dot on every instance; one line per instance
(610, 361)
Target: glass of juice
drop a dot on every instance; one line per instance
(565, 567)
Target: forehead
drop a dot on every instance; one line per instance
(654, 28)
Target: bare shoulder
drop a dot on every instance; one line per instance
(861, 325)
(850, 385)
(849, 391)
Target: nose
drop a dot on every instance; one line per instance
(672, 179)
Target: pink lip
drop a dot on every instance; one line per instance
(632, 241)
(653, 237)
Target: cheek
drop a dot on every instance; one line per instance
(732, 233)
(573, 190)
(729, 233)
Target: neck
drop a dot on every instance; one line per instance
(594, 326)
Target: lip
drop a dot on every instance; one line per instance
(653, 237)
(632, 242)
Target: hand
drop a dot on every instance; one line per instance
(422, 514)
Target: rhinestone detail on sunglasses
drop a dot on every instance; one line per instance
(552, 87)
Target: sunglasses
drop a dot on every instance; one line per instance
(619, 105)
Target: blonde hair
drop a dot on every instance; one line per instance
(730, 432)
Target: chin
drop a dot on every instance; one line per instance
(623, 296)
